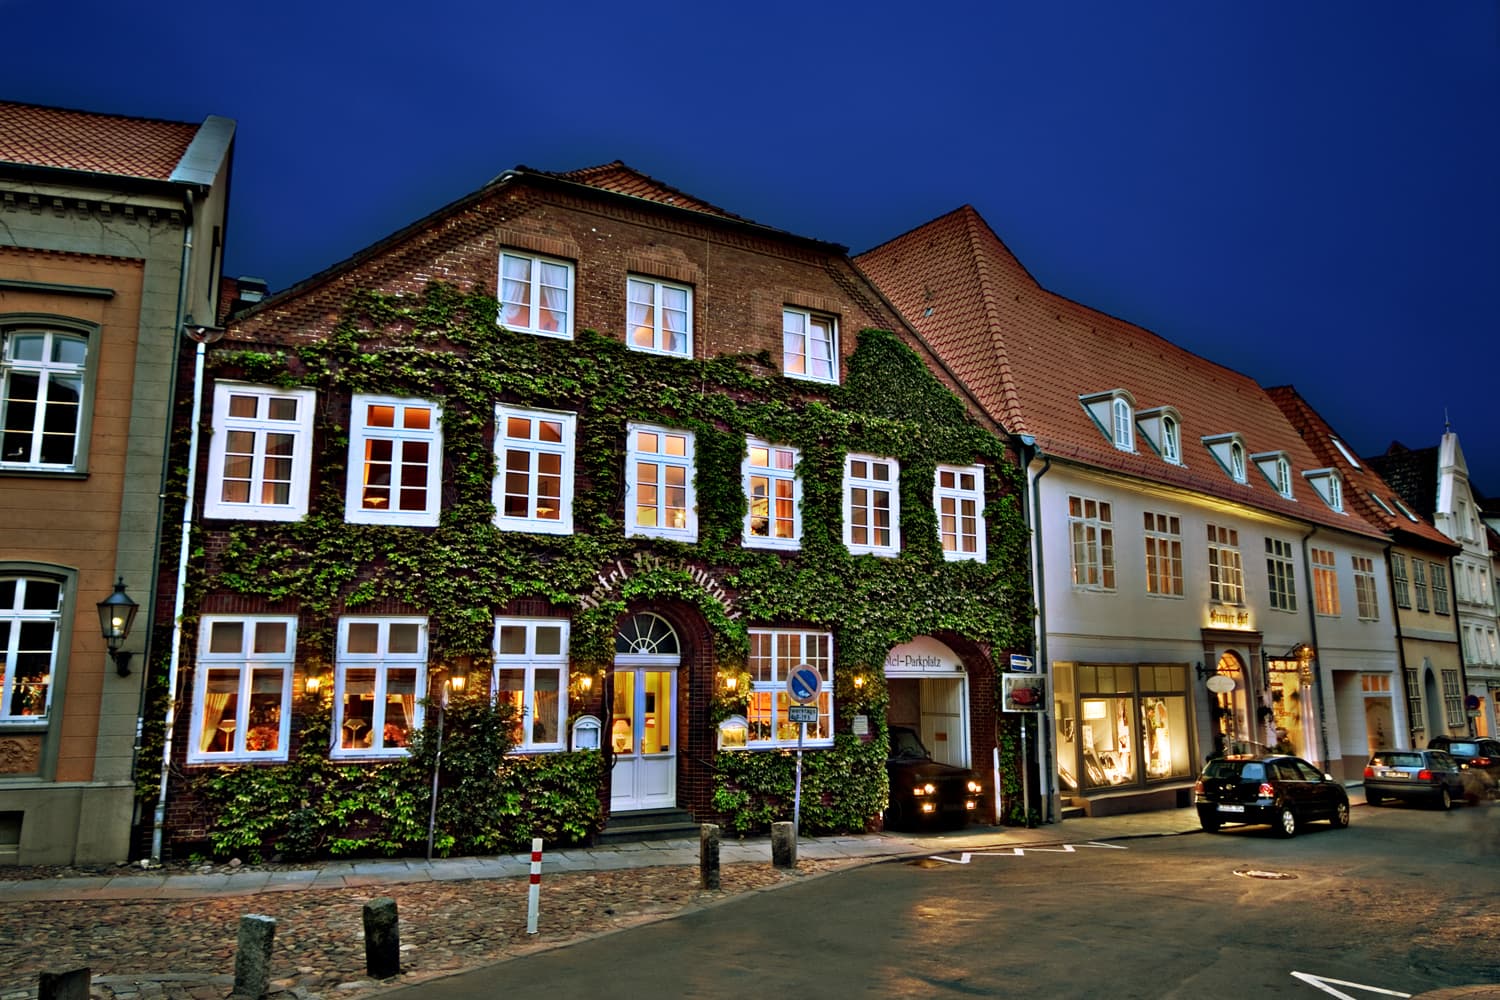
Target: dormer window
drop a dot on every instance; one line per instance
(1277, 469)
(1329, 485)
(1229, 451)
(1114, 414)
(1162, 429)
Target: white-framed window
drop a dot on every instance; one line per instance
(1419, 582)
(260, 456)
(533, 488)
(395, 461)
(43, 377)
(1171, 440)
(1398, 579)
(659, 317)
(809, 345)
(1329, 485)
(1123, 433)
(1092, 533)
(1163, 538)
(1439, 588)
(380, 679)
(242, 691)
(660, 501)
(531, 674)
(1237, 461)
(30, 621)
(773, 515)
(872, 505)
(958, 499)
(1365, 600)
(1453, 699)
(773, 654)
(1226, 574)
(1325, 582)
(1281, 574)
(536, 295)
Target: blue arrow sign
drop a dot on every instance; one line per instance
(803, 684)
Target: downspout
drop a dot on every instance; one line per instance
(1463, 656)
(1390, 572)
(1045, 765)
(1312, 624)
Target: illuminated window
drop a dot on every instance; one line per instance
(773, 518)
(1364, 589)
(242, 690)
(30, 620)
(1091, 528)
(380, 678)
(1325, 582)
(1226, 575)
(958, 498)
(872, 505)
(809, 345)
(1163, 537)
(43, 378)
(1281, 574)
(395, 461)
(533, 487)
(531, 675)
(260, 455)
(659, 317)
(773, 654)
(536, 295)
(659, 497)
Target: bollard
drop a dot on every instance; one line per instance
(533, 895)
(708, 855)
(252, 956)
(784, 845)
(70, 985)
(382, 939)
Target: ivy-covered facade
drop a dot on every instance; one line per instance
(597, 465)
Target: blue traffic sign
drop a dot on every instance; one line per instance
(803, 684)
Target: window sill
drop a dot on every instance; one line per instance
(202, 760)
(779, 544)
(37, 472)
(24, 725)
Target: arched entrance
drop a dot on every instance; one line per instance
(1432, 701)
(929, 692)
(643, 715)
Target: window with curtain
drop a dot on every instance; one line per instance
(1163, 537)
(395, 461)
(1226, 574)
(42, 381)
(773, 494)
(773, 654)
(809, 345)
(242, 687)
(1092, 533)
(659, 494)
(536, 295)
(260, 454)
(1325, 582)
(659, 317)
(380, 677)
(531, 674)
(30, 621)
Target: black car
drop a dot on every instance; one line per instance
(1284, 791)
(925, 793)
(1478, 754)
(1431, 777)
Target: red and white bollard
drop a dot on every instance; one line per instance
(534, 894)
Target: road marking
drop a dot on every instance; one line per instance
(1019, 852)
(1322, 983)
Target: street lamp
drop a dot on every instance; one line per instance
(116, 615)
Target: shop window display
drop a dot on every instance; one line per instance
(1121, 726)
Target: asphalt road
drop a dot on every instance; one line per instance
(1404, 901)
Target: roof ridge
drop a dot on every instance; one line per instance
(975, 228)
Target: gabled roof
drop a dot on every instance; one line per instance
(1029, 354)
(1414, 474)
(1359, 481)
(35, 136)
(617, 177)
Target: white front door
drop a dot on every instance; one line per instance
(643, 737)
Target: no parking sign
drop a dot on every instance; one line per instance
(803, 684)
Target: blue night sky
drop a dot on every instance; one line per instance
(1305, 192)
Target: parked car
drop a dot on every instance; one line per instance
(1283, 791)
(1479, 755)
(1432, 777)
(924, 792)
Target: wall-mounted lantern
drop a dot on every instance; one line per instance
(116, 615)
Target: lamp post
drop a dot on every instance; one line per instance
(454, 682)
(116, 615)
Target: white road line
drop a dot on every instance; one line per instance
(1020, 852)
(1322, 983)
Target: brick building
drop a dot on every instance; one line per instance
(694, 453)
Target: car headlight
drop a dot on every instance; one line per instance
(926, 789)
(975, 788)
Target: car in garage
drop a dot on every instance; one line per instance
(1426, 777)
(926, 793)
(1282, 791)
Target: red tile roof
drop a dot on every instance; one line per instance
(1029, 354)
(82, 140)
(619, 178)
(1360, 481)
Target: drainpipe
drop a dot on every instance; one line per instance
(1032, 511)
(1312, 622)
(1390, 572)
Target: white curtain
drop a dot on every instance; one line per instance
(213, 713)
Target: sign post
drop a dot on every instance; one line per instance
(803, 684)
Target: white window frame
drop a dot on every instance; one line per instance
(1171, 440)
(534, 448)
(248, 663)
(774, 475)
(1226, 570)
(534, 287)
(952, 522)
(1237, 461)
(655, 322)
(791, 360)
(785, 649)
(1325, 583)
(662, 461)
(382, 661)
(1162, 537)
(1366, 596)
(532, 663)
(16, 616)
(362, 435)
(873, 487)
(47, 373)
(301, 431)
(1123, 434)
(1281, 575)
(1091, 538)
